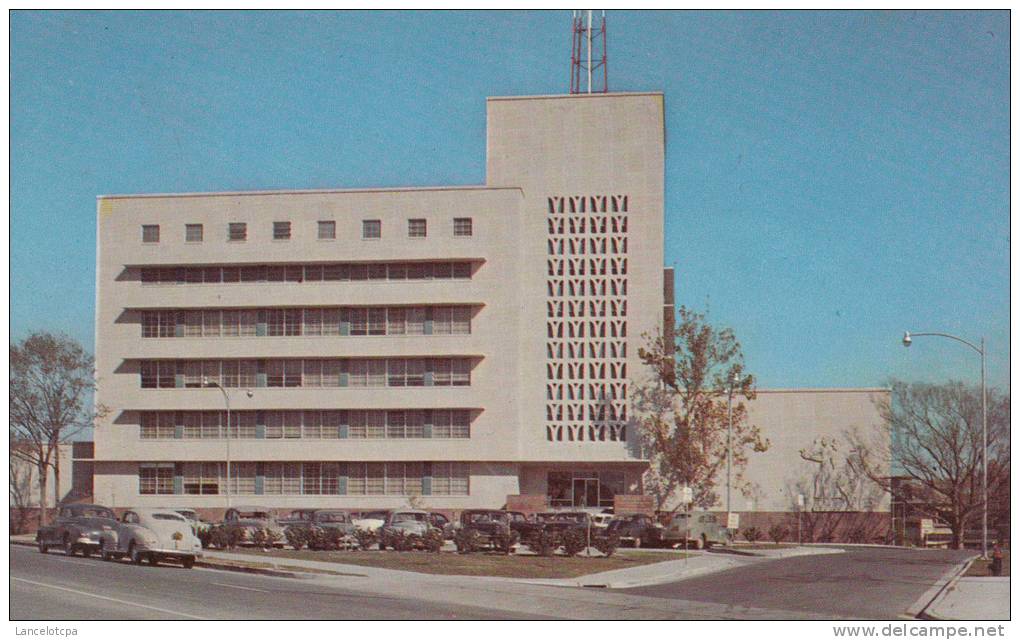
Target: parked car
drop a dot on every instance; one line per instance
(78, 527)
(698, 529)
(561, 521)
(297, 517)
(489, 528)
(198, 525)
(154, 535)
(639, 530)
(929, 532)
(369, 520)
(409, 521)
(525, 528)
(251, 518)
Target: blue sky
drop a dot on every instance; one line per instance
(832, 178)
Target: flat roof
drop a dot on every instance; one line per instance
(278, 192)
(574, 96)
(827, 390)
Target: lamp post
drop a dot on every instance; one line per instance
(734, 379)
(907, 336)
(226, 399)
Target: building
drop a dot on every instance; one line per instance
(461, 344)
(73, 460)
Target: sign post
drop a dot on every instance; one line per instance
(800, 507)
(687, 497)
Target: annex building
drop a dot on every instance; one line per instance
(463, 344)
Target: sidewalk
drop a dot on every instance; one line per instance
(972, 599)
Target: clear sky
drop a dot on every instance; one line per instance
(832, 178)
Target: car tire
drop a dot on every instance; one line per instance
(135, 554)
(699, 543)
(42, 547)
(153, 560)
(104, 553)
(86, 552)
(68, 547)
(188, 563)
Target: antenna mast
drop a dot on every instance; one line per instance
(588, 53)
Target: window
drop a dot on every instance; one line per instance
(371, 229)
(193, 233)
(327, 230)
(462, 227)
(242, 478)
(237, 232)
(450, 479)
(281, 230)
(150, 233)
(416, 228)
(201, 478)
(156, 479)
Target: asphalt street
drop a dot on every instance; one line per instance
(56, 587)
(863, 582)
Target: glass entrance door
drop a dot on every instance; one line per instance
(586, 492)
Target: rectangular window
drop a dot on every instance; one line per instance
(395, 321)
(371, 229)
(148, 428)
(150, 324)
(460, 423)
(192, 324)
(202, 478)
(461, 321)
(442, 318)
(274, 424)
(237, 232)
(313, 322)
(375, 424)
(313, 373)
(242, 478)
(395, 423)
(377, 321)
(395, 478)
(414, 424)
(331, 373)
(281, 230)
(359, 321)
(311, 478)
(416, 373)
(156, 479)
(415, 321)
(248, 373)
(311, 425)
(462, 227)
(150, 233)
(230, 322)
(193, 233)
(242, 424)
(375, 474)
(416, 228)
(211, 324)
(356, 425)
(292, 424)
(327, 230)
(273, 482)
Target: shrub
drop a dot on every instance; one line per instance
(433, 541)
(330, 538)
(505, 541)
(544, 543)
(205, 537)
(298, 537)
(752, 534)
(365, 538)
(777, 532)
(574, 541)
(260, 538)
(225, 536)
(467, 540)
(607, 544)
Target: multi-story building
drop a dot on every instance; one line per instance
(462, 344)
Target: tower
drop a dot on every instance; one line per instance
(588, 53)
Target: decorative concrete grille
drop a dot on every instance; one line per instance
(586, 318)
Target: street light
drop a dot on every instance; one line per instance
(226, 399)
(734, 379)
(984, 428)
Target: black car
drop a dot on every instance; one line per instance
(640, 530)
(485, 528)
(559, 522)
(525, 528)
(78, 527)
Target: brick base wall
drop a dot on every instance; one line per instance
(527, 504)
(633, 504)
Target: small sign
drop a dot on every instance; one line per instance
(800, 500)
(733, 521)
(927, 526)
(686, 495)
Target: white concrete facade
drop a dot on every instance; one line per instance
(499, 356)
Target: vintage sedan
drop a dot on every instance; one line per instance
(248, 519)
(485, 528)
(369, 520)
(78, 527)
(639, 530)
(198, 525)
(697, 529)
(154, 535)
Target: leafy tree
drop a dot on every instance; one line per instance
(51, 379)
(683, 410)
(932, 435)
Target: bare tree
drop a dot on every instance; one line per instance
(51, 379)
(20, 492)
(933, 436)
(682, 410)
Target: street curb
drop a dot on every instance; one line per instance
(209, 565)
(944, 583)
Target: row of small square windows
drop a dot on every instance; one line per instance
(370, 230)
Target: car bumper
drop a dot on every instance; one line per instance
(174, 553)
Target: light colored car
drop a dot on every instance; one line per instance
(153, 535)
(370, 520)
(601, 520)
(410, 521)
(697, 529)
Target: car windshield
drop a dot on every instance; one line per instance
(485, 517)
(331, 516)
(570, 517)
(409, 517)
(168, 516)
(253, 515)
(188, 514)
(374, 515)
